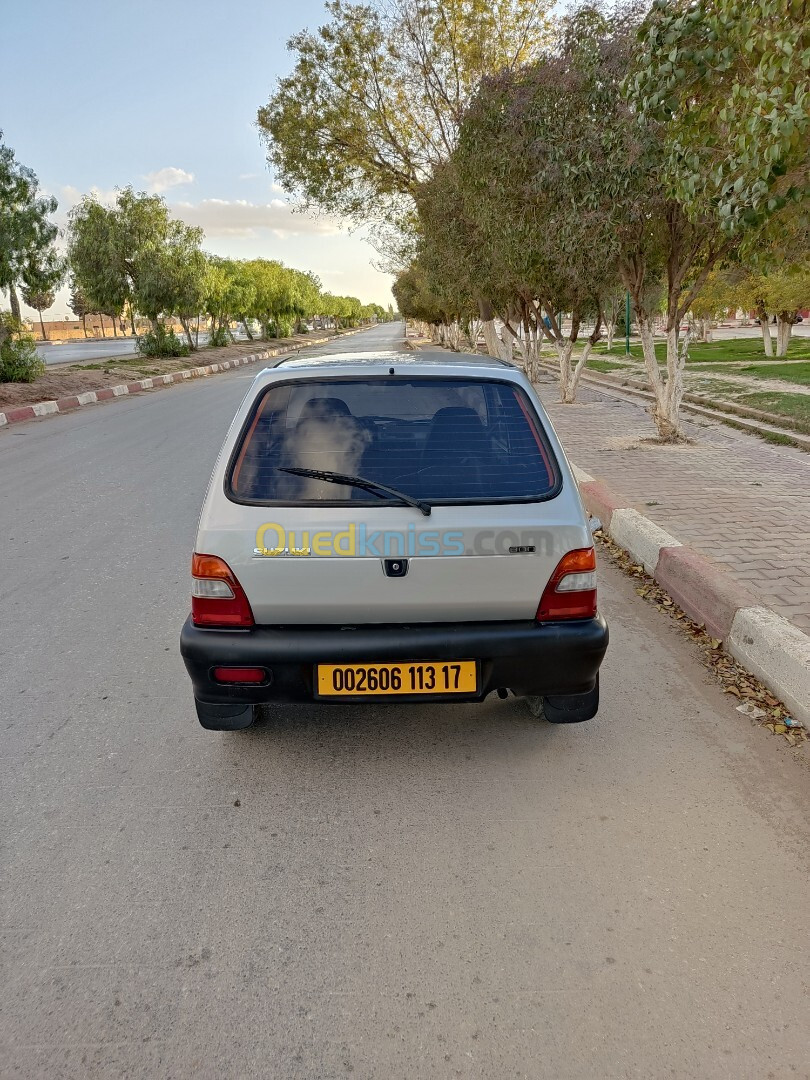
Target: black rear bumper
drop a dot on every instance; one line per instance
(525, 657)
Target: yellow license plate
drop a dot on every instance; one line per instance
(406, 678)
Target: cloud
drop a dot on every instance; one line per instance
(69, 196)
(167, 178)
(248, 175)
(238, 217)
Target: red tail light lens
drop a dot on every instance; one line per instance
(240, 674)
(217, 598)
(571, 590)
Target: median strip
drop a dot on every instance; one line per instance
(154, 382)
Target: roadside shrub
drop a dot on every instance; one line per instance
(19, 359)
(220, 337)
(161, 344)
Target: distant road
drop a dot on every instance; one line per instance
(73, 352)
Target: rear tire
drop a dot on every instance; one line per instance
(225, 717)
(572, 708)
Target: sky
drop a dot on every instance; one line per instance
(163, 96)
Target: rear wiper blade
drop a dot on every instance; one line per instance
(361, 482)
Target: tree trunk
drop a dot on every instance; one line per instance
(765, 327)
(14, 302)
(115, 328)
(132, 318)
(42, 324)
(103, 331)
(784, 328)
(668, 394)
(197, 334)
(491, 339)
(247, 329)
(510, 341)
(84, 323)
(187, 331)
(610, 328)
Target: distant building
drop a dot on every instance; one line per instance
(69, 329)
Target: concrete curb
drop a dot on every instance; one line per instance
(765, 643)
(107, 393)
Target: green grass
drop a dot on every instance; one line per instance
(736, 350)
(795, 373)
(795, 406)
(605, 365)
(714, 388)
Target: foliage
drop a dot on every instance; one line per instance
(729, 80)
(219, 337)
(161, 343)
(115, 251)
(517, 216)
(19, 359)
(173, 279)
(376, 96)
(26, 234)
(40, 282)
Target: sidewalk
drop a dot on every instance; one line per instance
(742, 503)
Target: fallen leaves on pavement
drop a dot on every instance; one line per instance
(756, 701)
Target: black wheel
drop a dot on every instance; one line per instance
(225, 717)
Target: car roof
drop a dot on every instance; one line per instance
(380, 363)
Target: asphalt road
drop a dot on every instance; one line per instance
(93, 349)
(385, 892)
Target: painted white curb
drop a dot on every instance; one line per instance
(580, 475)
(641, 537)
(778, 653)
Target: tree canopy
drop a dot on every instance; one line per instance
(27, 234)
(376, 96)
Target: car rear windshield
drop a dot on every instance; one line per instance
(435, 439)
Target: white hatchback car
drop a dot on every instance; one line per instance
(398, 527)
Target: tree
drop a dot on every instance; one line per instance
(718, 293)
(502, 220)
(26, 234)
(172, 276)
(730, 82)
(40, 282)
(78, 304)
(110, 247)
(720, 148)
(376, 96)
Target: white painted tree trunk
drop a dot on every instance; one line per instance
(767, 340)
(473, 332)
(511, 342)
(453, 336)
(668, 390)
(784, 328)
(532, 355)
(610, 329)
(493, 342)
(570, 373)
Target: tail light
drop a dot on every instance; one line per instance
(241, 675)
(571, 590)
(217, 598)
